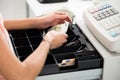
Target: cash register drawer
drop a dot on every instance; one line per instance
(78, 49)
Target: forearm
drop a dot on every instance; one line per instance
(26, 23)
(36, 60)
(26, 70)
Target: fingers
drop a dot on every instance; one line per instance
(1, 77)
(65, 18)
(56, 38)
(63, 37)
(62, 16)
(60, 13)
(66, 36)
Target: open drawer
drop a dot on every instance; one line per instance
(75, 55)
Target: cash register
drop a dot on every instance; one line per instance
(110, 61)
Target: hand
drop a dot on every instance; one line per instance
(54, 19)
(1, 77)
(56, 39)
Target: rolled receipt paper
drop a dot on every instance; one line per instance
(60, 27)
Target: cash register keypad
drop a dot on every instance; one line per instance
(108, 17)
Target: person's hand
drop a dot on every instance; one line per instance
(54, 19)
(56, 39)
(1, 77)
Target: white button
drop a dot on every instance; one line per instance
(114, 21)
(117, 19)
(110, 24)
(104, 24)
(118, 29)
